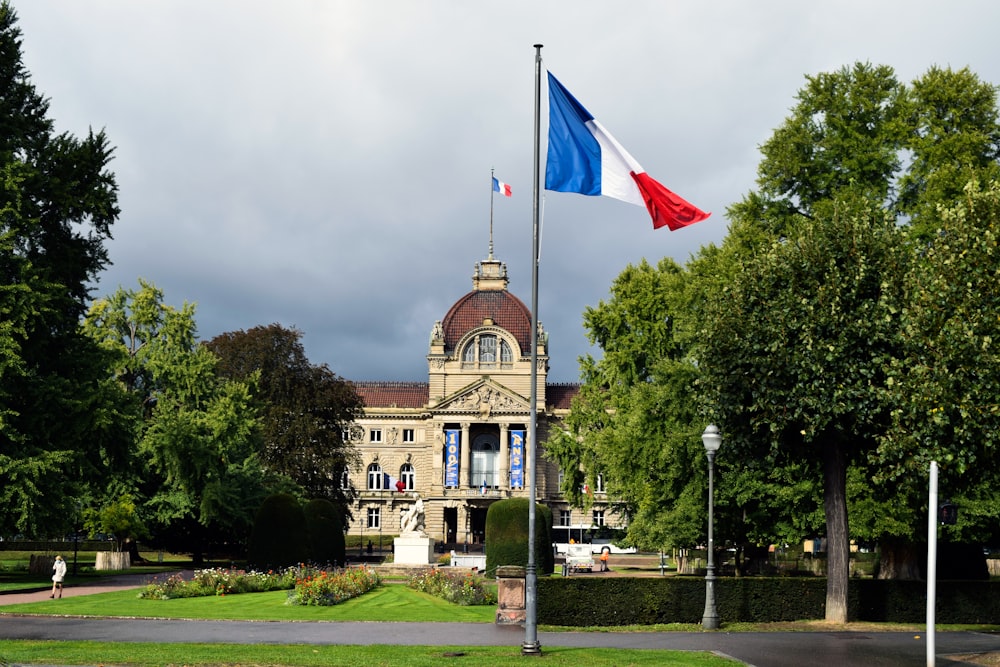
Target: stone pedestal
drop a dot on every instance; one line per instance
(413, 550)
(511, 595)
(113, 560)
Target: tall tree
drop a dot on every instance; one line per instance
(841, 161)
(305, 408)
(632, 422)
(796, 356)
(59, 427)
(195, 457)
(944, 387)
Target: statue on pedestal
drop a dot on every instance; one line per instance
(412, 520)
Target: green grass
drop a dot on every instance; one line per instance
(296, 655)
(388, 603)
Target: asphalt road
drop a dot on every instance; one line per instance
(762, 649)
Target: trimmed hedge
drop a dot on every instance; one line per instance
(507, 536)
(280, 537)
(326, 532)
(596, 601)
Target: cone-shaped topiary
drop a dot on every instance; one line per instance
(326, 532)
(280, 537)
(507, 535)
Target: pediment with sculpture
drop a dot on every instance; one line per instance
(483, 398)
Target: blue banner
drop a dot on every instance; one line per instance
(517, 459)
(452, 449)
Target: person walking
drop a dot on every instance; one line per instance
(605, 554)
(58, 574)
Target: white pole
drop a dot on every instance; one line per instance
(932, 503)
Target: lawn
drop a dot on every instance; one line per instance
(393, 602)
(298, 655)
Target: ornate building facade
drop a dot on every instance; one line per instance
(459, 439)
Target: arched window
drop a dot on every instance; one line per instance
(407, 476)
(345, 479)
(486, 350)
(375, 477)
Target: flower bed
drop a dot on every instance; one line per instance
(463, 588)
(222, 582)
(329, 588)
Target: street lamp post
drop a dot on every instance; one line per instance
(712, 440)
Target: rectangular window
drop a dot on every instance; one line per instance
(598, 517)
(409, 436)
(565, 517)
(375, 435)
(375, 517)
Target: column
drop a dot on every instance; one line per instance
(504, 482)
(465, 467)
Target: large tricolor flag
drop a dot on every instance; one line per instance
(584, 158)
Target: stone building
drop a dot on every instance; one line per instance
(458, 440)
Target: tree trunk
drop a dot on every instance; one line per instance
(899, 559)
(838, 548)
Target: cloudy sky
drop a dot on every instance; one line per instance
(325, 164)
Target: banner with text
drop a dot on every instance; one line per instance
(517, 459)
(452, 449)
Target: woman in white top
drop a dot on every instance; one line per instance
(58, 574)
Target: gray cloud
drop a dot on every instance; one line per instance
(326, 165)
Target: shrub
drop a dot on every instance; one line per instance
(461, 588)
(507, 535)
(329, 588)
(326, 532)
(223, 582)
(280, 534)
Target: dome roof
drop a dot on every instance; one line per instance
(503, 308)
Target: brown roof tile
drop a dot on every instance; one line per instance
(559, 396)
(393, 394)
(506, 310)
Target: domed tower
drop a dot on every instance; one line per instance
(486, 335)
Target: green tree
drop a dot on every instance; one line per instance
(954, 138)
(796, 355)
(59, 428)
(945, 384)
(858, 149)
(195, 457)
(305, 408)
(119, 518)
(631, 422)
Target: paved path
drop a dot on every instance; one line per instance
(761, 649)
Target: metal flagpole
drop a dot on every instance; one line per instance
(491, 215)
(531, 645)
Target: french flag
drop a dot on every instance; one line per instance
(390, 483)
(501, 187)
(584, 158)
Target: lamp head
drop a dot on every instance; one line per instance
(711, 438)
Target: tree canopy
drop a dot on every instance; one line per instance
(305, 408)
(58, 202)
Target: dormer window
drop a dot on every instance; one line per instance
(485, 350)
